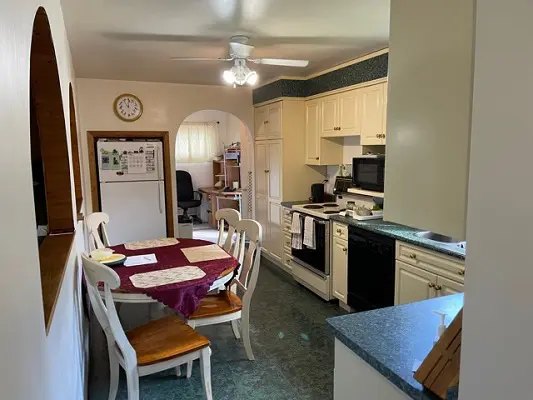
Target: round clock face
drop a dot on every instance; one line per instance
(128, 107)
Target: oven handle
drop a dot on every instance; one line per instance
(321, 222)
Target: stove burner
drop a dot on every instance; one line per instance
(330, 205)
(313, 207)
(331, 212)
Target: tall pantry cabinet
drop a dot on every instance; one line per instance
(280, 170)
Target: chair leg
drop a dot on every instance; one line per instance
(205, 366)
(178, 371)
(192, 324)
(113, 374)
(235, 326)
(132, 378)
(246, 333)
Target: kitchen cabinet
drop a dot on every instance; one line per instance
(287, 239)
(339, 114)
(340, 269)
(329, 119)
(373, 114)
(423, 274)
(429, 115)
(281, 173)
(267, 121)
(319, 151)
(413, 284)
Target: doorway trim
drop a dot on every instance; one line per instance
(92, 138)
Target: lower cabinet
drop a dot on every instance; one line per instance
(416, 284)
(340, 269)
(269, 214)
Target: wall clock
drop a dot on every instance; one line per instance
(128, 107)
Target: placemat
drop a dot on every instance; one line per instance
(166, 276)
(151, 243)
(205, 253)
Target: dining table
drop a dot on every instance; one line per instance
(184, 296)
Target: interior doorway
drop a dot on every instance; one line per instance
(215, 149)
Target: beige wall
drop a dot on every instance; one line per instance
(165, 107)
(33, 365)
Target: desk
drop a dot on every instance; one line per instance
(215, 195)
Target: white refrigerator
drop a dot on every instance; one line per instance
(132, 189)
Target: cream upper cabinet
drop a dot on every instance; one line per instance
(312, 137)
(274, 170)
(340, 269)
(260, 118)
(413, 284)
(268, 121)
(329, 106)
(261, 168)
(373, 114)
(446, 287)
(274, 120)
(348, 114)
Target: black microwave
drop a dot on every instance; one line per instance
(368, 172)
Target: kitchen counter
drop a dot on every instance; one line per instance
(289, 204)
(402, 233)
(391, 339)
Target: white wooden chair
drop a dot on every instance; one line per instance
(159, 345)
(228, 306)
(94, 221)
(232, 217)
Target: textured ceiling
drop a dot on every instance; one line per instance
(135, 39)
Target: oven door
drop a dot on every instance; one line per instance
(316, 260)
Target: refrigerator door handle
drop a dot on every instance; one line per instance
(159, 200)
(158, 160)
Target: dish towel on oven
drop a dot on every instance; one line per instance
(296, 230)
(309, 232)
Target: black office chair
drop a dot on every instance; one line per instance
(186, 194)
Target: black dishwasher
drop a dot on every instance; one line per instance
(370, 270)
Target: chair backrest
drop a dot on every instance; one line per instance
(184, 187)
(232, 217)
(94, 273)
(94, 221)
(250, 257)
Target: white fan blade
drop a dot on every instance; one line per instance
(240, 50)
(282, 62)
(199, 59)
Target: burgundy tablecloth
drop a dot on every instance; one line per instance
(183, 297)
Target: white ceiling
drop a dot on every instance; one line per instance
(135, 39)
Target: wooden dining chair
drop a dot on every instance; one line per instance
(227, 306)
(159, 345)
(232, 217)
(94, 222)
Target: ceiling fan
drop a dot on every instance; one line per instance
(240, 52)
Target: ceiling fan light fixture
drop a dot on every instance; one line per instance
(228, 76)
(252, 77)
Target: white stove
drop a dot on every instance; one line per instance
(319, 210)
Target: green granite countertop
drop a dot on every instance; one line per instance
(402, 233)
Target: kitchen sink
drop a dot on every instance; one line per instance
(437, 237)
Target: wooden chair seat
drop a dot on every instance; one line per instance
(164, 339)
(226, 302)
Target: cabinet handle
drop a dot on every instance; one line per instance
(412, 256)
(339, 231)
(438, 287)
(267, 171)
(431, 284)
(344, 249)
(461, 272)
(318, 158)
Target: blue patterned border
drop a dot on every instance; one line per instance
(364, 71)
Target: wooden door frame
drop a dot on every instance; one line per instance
(92, 138)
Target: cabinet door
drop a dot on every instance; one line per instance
(275, 237)
(274, 170)
(260, 118)
(372, 115)
(329, 109)
(312, 132)
(340, 269)
(446, 287)
(348, 113)
(261, 214)
(261, 168)
(274, 120)
(413, 284)
(385, 105)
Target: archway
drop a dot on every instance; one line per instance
(230, 166)
(76, 166)
(50, 164)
